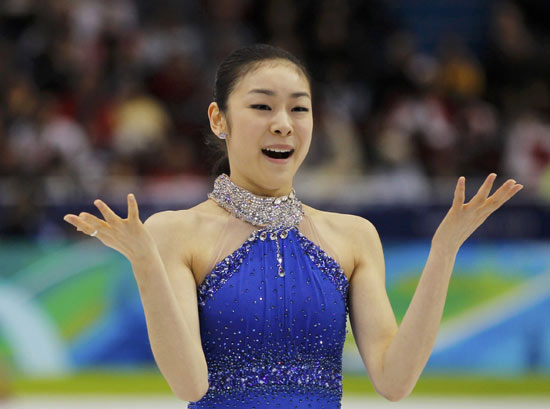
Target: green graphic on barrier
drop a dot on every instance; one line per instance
(79, 304)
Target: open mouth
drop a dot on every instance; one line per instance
(278, 153)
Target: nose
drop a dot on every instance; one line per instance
(281, 124)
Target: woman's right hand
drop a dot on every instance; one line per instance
(127, 236)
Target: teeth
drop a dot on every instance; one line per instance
(278, 150)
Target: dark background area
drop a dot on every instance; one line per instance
(100, 98)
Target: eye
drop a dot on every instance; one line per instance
(300, 109)
(261, 107)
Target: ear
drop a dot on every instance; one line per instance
(217, 119)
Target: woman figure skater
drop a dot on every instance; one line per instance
(246, 295)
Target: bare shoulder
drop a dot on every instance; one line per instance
(354, 238)
(174, 220)
(184, 230)
(345, 225)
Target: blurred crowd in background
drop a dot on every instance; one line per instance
(94, 92)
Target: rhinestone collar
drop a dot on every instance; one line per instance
(275, 213)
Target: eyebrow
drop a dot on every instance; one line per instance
(273, 93)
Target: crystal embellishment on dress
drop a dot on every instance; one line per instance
(270, 342)
(328, 265)
(275, 214)
(223, 271)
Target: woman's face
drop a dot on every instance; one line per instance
(270, 122)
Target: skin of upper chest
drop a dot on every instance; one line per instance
(334, 229)
(205, 223)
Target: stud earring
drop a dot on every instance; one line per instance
(223, 135)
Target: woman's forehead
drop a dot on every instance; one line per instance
(278, 77)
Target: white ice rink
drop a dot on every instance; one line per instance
(96, 402)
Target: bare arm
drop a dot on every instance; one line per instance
(167, 293)
(395, 357)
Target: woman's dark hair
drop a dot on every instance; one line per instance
(231, 70)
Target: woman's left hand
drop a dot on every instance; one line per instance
(463, 219)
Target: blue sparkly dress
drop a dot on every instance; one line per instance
(272, 340)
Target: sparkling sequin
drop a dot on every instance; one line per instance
(223, 272)
(275, 214)
(285, 211)
(272, 341)
(326, 264)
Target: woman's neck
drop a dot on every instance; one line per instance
(258, 190)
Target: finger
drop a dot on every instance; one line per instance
(106, 211)
(460, 192)
(485, 189)
(515, 189)
(133, 211)
(92, 220)
(505, 193)
(80, 224)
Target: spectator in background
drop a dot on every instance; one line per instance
(527, 153)
(337, 152)
(511, 59)
(281, 23)
(397, 113)
(22, 144)
(140, 126)
(415, 128)
(460, 75)
(480, 138)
